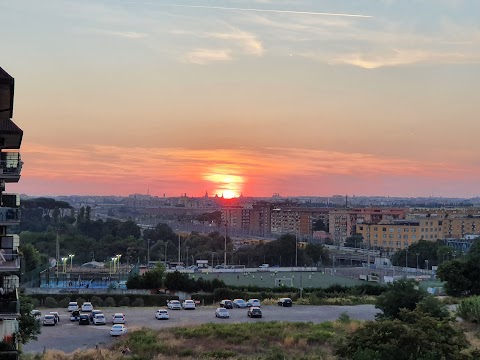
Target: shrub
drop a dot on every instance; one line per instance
(125, 301)
(469, 309)
(344, 318)
(109, 302)
(138, 302)
(80, 301)
(35, 302)
(402, 294)
(64, 302)
(50, 302)
(96, 301)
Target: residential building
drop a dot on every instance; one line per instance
(10, 168)
(394, 235)
(343, 222)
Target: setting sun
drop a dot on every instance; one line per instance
(225, 181)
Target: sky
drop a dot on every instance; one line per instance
(252, 97)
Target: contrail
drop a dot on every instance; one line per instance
(269, 10)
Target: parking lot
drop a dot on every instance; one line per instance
(69, 336)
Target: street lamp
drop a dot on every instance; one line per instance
(148, 254)
(64, 260)
(186, 260)
(406, 261)
(418, 254)
(165, 259)
(426, 262)
(113, 261)
(179, 253)
(225, 254)
(296, 249)
(71, 261)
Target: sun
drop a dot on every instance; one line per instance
(226, 181)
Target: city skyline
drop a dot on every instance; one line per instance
(255, 97)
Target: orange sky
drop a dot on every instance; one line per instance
(252, 97)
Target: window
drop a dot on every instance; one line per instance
(391, 230)
(375, 228)
(384, 229)
(405, 236)
(405, 230)
(390, 236)
(399, 236)
(384, 236)
(414, 237)
(399, 230)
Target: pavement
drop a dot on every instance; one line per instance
(69, 336)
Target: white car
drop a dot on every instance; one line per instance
(99, 319)
(49, 319)
(253, 302)
(239, 303)
(188, 304)
(118, 329)
(162, 314)
(118, 318)
(222, 313)
(72, 306)
(174, 305)
(87, 307)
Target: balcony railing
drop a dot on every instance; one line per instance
(9, 304)
(10, 167)
(9, 216)
(9, 260)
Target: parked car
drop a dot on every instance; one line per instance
(254, 312)
(49, 319)
(239, 303)
(285, 302)
(253, 302)
(99, 319)
(118, 318)
(75, 315)
(37, 314)
(226, 303)
(87, 307)
(84, 319)
(222, 313)
(57, 316)
(93, 313)
(72, 306)
(162, 314)
(118, 329)
(174, 305)
(188, 304)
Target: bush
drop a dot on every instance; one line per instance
(138, 302)
(109, 302)
(50, 302)
(402, 294)
(96, 301)
(80, 301)
(469, 309)
(35, 302)
(125, 301)
(64, 302)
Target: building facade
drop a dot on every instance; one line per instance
(10, 168)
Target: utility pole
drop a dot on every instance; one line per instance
(165, 259)
(296, 249)
(406, 262)
(179, 255)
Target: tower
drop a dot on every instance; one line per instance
(10, 168)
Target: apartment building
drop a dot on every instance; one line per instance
(10, 168)
(399, 234)
(343, 222)
(460, 227)
(296, 220)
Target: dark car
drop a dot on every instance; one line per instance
(286, 302)
(75, 316)
(84, 319)
(254, 312)
(227, 304)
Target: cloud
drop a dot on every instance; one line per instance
(206, 56)
(248, 41)
(123, 34)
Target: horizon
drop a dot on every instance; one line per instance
(245, 97)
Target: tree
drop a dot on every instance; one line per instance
(316, 252)
(413, 336)
(354, 241)
(319, 225)
(31, 257)
(402, 294)
(29, 326)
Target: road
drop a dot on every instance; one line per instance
(69, 336)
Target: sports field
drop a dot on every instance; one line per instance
(298, 279)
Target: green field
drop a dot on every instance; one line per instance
(305, 279)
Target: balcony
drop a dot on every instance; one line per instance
(9, 216)
(10, 166)
(8, 341)
(9, 306)
(9, 260)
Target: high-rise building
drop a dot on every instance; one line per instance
(10, 167)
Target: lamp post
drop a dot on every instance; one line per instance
(186, 260)
(64, 260)
(71, 261)
(225, 254)
(406, 261)
(165, 259)
(426, 262)
(418, 254)
(148, 254)
(296, 249)
(179, 253)
(114, 259)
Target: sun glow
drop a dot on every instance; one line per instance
(226, 181)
